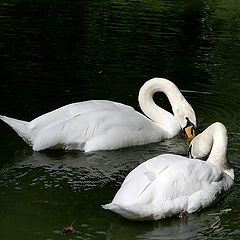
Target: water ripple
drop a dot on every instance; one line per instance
(82, 171)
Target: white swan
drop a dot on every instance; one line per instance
(105, 125)
(170, 184)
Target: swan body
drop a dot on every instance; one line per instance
(170, 184)
(106, 125)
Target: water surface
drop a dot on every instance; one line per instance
(57, 52)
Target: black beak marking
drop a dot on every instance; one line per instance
(190, 152)
(189, 123)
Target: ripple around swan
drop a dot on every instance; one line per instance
(218, 107)
(82, 171)
(57, 52)
(195, 227)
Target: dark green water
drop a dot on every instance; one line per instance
(56, 52)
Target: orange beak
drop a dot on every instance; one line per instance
(190, 132)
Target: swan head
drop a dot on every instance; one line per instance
(189, 129)
(202, 144)
(184, 114)
(213, 142)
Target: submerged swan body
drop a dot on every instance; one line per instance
(170, 184)
(105, 125)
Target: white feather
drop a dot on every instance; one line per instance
(105, 125)
(169, 184)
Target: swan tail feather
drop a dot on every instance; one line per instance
(20, 127)
(124, 211)
(117, 209)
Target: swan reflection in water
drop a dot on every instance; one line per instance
(94, 169)
(196, 226)
(91, 171)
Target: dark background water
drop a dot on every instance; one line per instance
(57, 52)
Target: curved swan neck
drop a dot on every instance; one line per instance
(157, 114)
(218, 155)
(213, 140)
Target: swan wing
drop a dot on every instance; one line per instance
(106, 125)
(71, 110)
(168, 184)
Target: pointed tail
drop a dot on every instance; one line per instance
(123, 210)
(20, 127)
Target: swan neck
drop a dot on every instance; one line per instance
(157, 114)
(218, 154)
